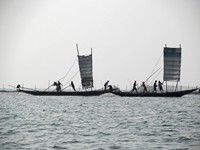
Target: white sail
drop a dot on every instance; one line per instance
(85, 67)
(172, 64)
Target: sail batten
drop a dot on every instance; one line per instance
(85, 67)
(172, 64)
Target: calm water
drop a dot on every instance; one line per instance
(99, 123)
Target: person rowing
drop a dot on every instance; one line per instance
(58, 86)
(144, 87)
(73, 86)
(160, 86)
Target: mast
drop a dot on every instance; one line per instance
(164, 66)
(179, 74)
(92, 83)
(77, 49)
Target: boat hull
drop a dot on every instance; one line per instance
(65, 93)
(165, 94)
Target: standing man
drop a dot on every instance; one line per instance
(59, 86)
(134, 87)
(105, 85)
(160, 86)
(155, 86)
(144, 87)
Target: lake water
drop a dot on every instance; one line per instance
(106, 122)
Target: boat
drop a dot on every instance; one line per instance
(86, 74)
(65, 93)
(172, 69)
(150, 94)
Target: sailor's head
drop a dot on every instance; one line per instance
(18, 86)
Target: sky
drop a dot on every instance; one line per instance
(38, 40)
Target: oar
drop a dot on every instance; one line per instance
(22, 87)
(48, 87)
(66, 87)
(28, 88)
(12, 86)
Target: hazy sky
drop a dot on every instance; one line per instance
(38, 39)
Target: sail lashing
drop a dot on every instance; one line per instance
(172, 64)
(85, 67)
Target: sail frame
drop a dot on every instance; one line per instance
(172, 64)
(86, 71)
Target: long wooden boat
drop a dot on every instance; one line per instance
(148, 94)
(172, 69)
(65, 93)
(86, 74)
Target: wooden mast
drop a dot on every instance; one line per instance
(77, 49)
(92, 75)
(179, 73)
(163, 72)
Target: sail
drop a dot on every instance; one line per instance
(172, 64)
(85, 67)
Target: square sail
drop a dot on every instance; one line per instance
(85, 67)
(172, 64)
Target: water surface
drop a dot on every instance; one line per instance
(99, 123)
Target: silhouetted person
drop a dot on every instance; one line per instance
(110, 88)
(144, 87)
(134, 87)
(160, 86)
(155, 86)
(54, 84)
(105, 85)
(58, 86)
(73, 86)
(18, 87)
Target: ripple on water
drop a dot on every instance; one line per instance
(103, 133)
(183, 139)
(99, 123)
(59, 147)
(115, 147)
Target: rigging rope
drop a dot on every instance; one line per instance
(157, 63)
(152, 73)
(61, 79)
(156, 76)
(69, 81)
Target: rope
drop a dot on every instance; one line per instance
(48, 87)
(70, 80)
(68, 71)
(156, 75)
(151, 75)
(155, 67)
(61, 79)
